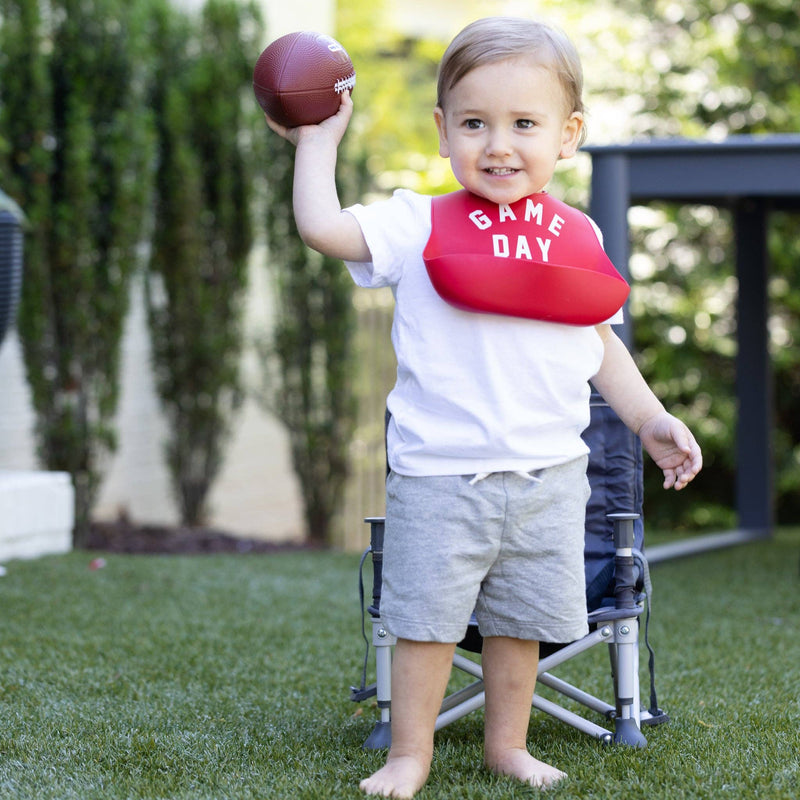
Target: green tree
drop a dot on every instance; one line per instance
(394, 99)
(76, 158)
(202, 235)
(713, 69)
(309, 360)
(656, 69)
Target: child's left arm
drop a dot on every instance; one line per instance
(669, 442)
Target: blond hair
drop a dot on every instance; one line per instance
(499, 38)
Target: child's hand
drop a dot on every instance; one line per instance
(671, 445)
(334, 126)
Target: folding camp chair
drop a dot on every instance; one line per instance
(618, 593)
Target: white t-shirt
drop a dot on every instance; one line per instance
(475, 392)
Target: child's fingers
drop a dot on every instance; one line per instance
(685, 473)
(274, 126)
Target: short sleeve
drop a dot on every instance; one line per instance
(395, 230)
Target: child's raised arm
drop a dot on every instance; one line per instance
(318, 213)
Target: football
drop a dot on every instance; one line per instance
(299, 78)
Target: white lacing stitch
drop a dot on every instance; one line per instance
(343, 84)
(527, 475)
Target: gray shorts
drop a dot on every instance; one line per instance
(508, 548)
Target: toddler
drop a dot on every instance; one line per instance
(487, 490)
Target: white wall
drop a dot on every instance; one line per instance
(284, 17)
(16, 416)
(444, 18)
(256, 494)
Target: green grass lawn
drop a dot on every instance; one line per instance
(228, 677)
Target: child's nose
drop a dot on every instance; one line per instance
(498, 143)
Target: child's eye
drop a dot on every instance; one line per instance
(526, 124)
(473, 124)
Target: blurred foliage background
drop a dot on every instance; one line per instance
(663, 68)
(123, 123)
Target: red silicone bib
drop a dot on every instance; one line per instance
(537, 258)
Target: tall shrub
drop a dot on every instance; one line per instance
(311, 353)
(202, 235)
(77, 158)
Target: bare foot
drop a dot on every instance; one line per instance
(400, 777)
(521, 764)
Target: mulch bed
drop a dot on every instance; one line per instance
(124, 536)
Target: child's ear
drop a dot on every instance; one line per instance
(571, 135)
(441, 128)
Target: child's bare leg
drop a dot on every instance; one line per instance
(509, 674)
(420, 671)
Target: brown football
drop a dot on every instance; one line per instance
(299, 78)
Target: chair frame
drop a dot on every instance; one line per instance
(616, 626)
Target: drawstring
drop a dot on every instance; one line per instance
(526, 475)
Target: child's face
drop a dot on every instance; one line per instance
(505, 127)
